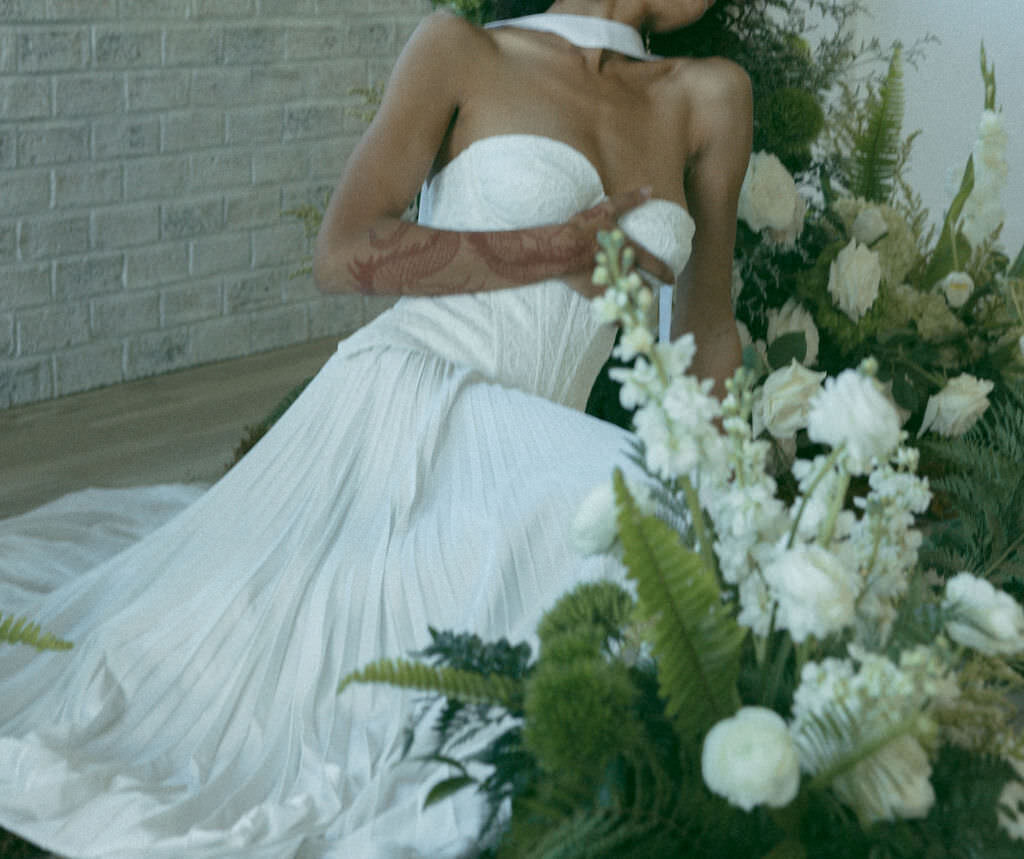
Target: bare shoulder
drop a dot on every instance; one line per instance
(714, 95)
(444, 37)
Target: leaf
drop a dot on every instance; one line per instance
(943, 259)
(696, 639)
(905, 392)
(19, 630)
(876, 148)
(451, 682)
(445, 788)
(786, 348)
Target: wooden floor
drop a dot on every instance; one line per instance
(183, 426)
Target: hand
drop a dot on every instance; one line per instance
(605, 217)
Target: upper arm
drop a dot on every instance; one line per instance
(390, 162)
(721, 111)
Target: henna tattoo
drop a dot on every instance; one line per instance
(522, 257)
(403, 267)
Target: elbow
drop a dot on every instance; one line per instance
(328, 269)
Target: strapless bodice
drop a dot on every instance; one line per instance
(542, 338)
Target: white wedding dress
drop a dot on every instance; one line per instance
(428, 475)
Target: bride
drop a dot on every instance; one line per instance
(427, 476)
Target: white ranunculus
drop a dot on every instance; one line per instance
(815, 592)
(956, 408)
(852, 410)
(750, 760)
(893, 784)
(595, 528)
(790, 318)
(853, 279)
(769, 199)
(782, 403)
(983, 617)
(869, 225)
(957, 286)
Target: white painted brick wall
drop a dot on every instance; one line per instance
(149, 150)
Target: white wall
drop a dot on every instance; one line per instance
(944, 95)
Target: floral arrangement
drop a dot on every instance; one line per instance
(782, 679)
(835, 266)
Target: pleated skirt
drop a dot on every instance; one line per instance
(197, 714)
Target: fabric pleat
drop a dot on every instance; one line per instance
(427, 477)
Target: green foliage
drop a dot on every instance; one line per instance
(452, 682)
(597, 610)
(579, 717)
(875, 156)
(792, 118)
(20, 630)
(695, 637)
(979, 479)
(253, 433)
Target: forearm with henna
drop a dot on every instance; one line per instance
(408, 259)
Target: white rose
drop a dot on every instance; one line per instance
(815, 592)
(852, 410)
(792, 317)
(853, 279)
(782, 403)
(957, 286)
(768, 198)
(983, 617)
(750, 759)
(869, 225)
(956, 408)
(893, 784)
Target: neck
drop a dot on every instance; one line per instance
(630, 12)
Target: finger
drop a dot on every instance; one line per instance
(622, 203)
(655, 267)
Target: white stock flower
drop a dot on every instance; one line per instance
(983, 211)
(956, 408)
(750, 760)
(769, 199)
(851, 410)
(783, 401)
(790, 318)
(957, 286)
(869, 225)
(983, 617)
(892, 784)
(853, 279)
(815, 592)
(636, 340)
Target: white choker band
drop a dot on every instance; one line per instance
(585, 31)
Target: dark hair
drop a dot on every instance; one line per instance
(498, 10)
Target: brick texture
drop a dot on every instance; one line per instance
(150, 152)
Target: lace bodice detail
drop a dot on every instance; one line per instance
(542, 338)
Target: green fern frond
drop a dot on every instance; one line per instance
(19, 630)
(981, 481)
(696, 640)
(877, 148)
(451, 682)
